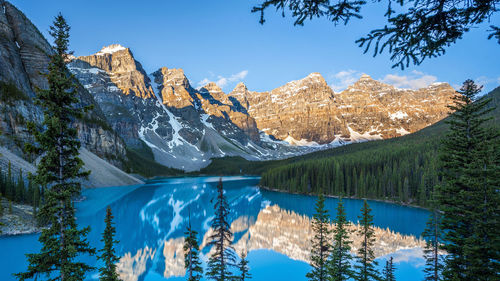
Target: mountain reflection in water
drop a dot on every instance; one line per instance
(274, 228)
(151, 221)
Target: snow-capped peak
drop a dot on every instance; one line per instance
(111, 49)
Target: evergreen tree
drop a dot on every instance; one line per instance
(340, 259)
(60, 170)
(432, 236)
(192, 262)
(320, 242)
(365, 269)
(244, 269)
(223, 258)
(469, 196)
(20, 189)
(108, 256)
(388, 272)
(9, 183)
(1, 205)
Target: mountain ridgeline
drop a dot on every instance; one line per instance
(403, 169)
(158, 124)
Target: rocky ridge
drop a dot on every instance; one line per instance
(186, 127)
(307, 111)
(24, 56)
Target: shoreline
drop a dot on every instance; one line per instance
(345, 197)
(18, 222)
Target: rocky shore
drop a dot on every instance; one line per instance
(20, 221)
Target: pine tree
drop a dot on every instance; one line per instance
(20, 189)
(469, 196)
(388, 272)
(365, 269)
(60, 170)
(108, 256)
(244, 269)
(320, 242)
(432, 236)
(9, 183)
(192, 262)
(340, 259)
(1, 206)
(223, 258)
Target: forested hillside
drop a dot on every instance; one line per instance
(402, 169)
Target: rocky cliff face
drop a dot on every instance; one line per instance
(24, 56)
(307, 111)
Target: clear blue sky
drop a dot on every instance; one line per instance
(221, 40)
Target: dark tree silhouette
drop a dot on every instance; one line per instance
(223, 258)
(365, 268)
(192, 262)
(243, 268)
(388, 271)
(60, 169)
(321, 244)
(340, 258)
(432, 235)
(469, 197)
(418, 30)
(108, 256)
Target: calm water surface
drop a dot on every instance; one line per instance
(151, 220)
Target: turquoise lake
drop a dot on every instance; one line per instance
(272, 227)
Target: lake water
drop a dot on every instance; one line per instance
(272, 227)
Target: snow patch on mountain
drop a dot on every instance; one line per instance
(111, 49)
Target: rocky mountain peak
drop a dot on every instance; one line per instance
(365, 77)
(173, 77)
(212, 88)
(240, 87)
(173, 86)
(111, 49)
(125, 72)
(315, 76)
(367, 83)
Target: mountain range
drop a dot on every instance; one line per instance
(160, 120)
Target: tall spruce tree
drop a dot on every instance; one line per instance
(1, 205)
(192, 262)
(243, 268)
(388, 272)
(108, 256)
(223, 258)
(469, 196)
(340, 259)
(432, 236)
(320, 243)
(60, 170)
(365, 268)
(20, 188)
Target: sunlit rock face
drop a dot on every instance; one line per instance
(24, 59)
(126, 72)
(130, 268)
(308, 111)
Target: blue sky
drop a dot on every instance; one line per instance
(222, 41)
